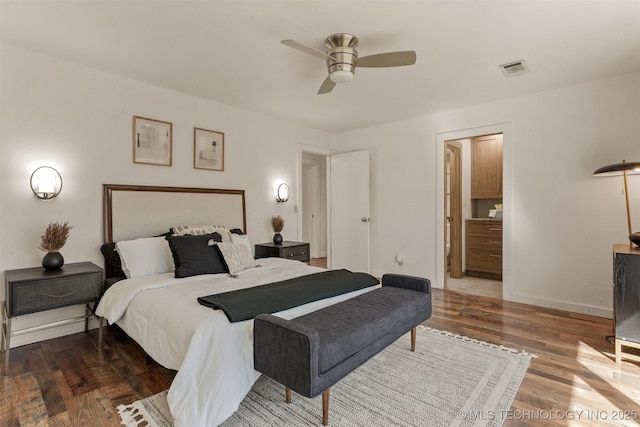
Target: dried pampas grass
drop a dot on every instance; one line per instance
(277, 223)
(55, 236)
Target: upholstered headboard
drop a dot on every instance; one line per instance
(132, 211)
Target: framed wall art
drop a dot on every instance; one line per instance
(152, 141)
(208, 149)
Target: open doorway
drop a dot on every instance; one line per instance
(473, 215)
(313, 206)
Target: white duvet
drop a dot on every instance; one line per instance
(213, 357)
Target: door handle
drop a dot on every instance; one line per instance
(365, 219)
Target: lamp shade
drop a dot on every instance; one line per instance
(619, 168)
(624, 169)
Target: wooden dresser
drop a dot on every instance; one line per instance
(626, 300)
(484, 247)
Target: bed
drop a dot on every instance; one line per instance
(213, 357)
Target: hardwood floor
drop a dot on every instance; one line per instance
(65, 382)
(318, 262)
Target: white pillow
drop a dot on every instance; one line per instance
(242, 239)
(145, 256)
(237, 256)
(198, 230)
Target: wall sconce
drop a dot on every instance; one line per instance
(624, 168)
(46, 182)
(282, 195)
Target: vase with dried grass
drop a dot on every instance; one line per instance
(277, 223)
(53, 239)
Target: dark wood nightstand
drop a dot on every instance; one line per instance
(298, 251)
(33, 290)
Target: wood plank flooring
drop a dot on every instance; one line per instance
(65, 382)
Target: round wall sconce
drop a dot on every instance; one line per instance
(46, 182)
(282, 194)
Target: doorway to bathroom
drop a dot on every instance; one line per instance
(473, 222)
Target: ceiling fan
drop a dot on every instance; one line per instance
(342, 58)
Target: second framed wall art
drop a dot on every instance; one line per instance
(208, 149)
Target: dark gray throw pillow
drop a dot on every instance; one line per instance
(112, 260)
(194, 255)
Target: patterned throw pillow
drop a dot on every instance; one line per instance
(238, 257)
(242, 240)
(199, 230)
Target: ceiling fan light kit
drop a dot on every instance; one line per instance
(342, 58)
(341, 63)
(341, 76)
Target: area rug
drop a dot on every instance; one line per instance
(450, 380)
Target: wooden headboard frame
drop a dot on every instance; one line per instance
(153, 209)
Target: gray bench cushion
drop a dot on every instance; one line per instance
(347, 328)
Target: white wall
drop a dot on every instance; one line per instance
(80, 121)
(563, 221)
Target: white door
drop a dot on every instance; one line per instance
(350, 211)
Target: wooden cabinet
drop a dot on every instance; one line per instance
(626, 300)
(484, 247)
(33, 290)
(298, 251)
(486, 167)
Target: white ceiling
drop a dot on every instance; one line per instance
(230, 51)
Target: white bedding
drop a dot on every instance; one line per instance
(214, 357)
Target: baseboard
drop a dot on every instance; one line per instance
(565, 306)
(558, 305)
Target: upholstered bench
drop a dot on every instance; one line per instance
(311, 353)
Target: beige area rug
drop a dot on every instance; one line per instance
(450, 380)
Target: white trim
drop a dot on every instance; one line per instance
(565, 306)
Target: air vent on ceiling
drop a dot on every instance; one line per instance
(515, 68)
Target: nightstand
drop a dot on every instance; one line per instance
(298, 251)
(33, 290)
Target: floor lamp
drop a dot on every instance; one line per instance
(625, 168)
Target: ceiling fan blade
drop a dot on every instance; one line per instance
(390, 59)
(306, 49)
(326, 86)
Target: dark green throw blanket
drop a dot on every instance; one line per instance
(245, 304)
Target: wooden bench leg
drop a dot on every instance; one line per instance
(287, 394)
(413, 339)
(325, 407)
